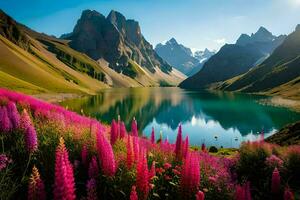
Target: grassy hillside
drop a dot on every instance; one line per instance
(279, 74)
(32, 62)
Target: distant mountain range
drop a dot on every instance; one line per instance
(235, 59)
(119, 42)
(100, 52)
(181, 57)
(279, 74)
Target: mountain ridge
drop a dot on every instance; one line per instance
(234, 59)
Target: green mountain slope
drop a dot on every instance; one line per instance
(279, 74)
(235, 59)
(32, 62)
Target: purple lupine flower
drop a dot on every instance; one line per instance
(36, 188)
(190, 175)
(64, 184)
(275, 182)
(91, 188)
(133, 194)
(288, 194)
(113, 132)
(200, 195)
(185, 147)
(178, 147)
(134, 129)
(31, 139)
(84, 155)
(123, 131)
(13, 114)
(5, 124)
(106, 155)
(93, 168)
(142, 176)
(4, 161)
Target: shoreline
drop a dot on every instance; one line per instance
(57, 97)
(278, 101)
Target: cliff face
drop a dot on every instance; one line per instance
(116, 40)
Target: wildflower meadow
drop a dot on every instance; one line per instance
(49, 152)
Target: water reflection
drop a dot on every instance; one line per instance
(221, 119)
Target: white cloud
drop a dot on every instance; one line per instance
(220, 41)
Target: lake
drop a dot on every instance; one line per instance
(213, 118)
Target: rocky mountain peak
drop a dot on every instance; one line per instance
(297, 27)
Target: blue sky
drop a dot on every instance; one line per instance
(195, 23)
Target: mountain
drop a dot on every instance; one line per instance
(177, 55)
(203, 56)
(181, 57)
(235, 59)
(119, 42)
(33, 62)
(279, 74)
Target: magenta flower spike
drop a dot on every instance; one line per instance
(84, 155)
(36, 188)
(93, 168)
(91, 188)
(288, 194)
(129, 160)
(5, 123)
(106, 155)
(190, 175)
(178, 147)
(186, 146)
(152, 136)
(123, 131)
(275, 182)
(31, 140)
(134, 128)
(142, 176)
(200, 195)
(13, 114)
(64, 185)
(136, 147)
(133, 194)
(243, 192)
(113, 132)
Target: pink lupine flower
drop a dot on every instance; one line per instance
(123, 131)
(129, 160)
(93, 168)
(36, 188)
(142, 177)
(5, 124)
(136, 147)
(190, 175)
(31, 139)
(152, 136)
(106, 155)
(200, 195)
(186, 146)
(178, 147)
(134, 129)
(275, 181)
(273, 161)
(176, 172)
(152, 171)
(25, 120)
(84, 155)
(167, 166)
(288, 194)
(159, 170)
(64, 185)
(133, 194)
(243, 192)
(113, 132)
(13, 114)
(91, 188)
(4, 161)
(167, 177)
